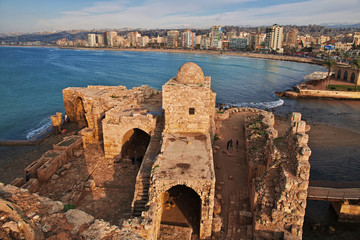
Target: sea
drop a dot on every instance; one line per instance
(32, 80)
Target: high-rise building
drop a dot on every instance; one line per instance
(100, 40)
(92, 39)
(134, 38)
(291, 36)
(187, 39)
(173, 39)
(215, 37)
(274, 37)
(109, 38)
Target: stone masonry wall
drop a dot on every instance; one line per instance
(117, 124)
(178, 98)
(96, 100)
(280, 194)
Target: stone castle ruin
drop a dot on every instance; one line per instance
(170, 135)
(179, 172)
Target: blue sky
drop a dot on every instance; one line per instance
(49, 15)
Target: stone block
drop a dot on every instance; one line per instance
(45, 172)
(32, 185)
(18, 182)
(295, 117)
(69, 145)
(33, 167)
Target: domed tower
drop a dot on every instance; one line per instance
(188, 101)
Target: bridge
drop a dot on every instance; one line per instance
(331, 191)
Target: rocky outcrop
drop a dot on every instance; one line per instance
(30, 216)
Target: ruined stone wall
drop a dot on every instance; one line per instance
(179, 98)
(260, 133)
(280, 194)
(117, 123)
(96, 100)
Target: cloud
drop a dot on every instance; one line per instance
(168, 14)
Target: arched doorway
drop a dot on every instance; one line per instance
(345, 76)
(134, 145)
(352, 79)
(182, 207)
(80, 113)
(339, 75)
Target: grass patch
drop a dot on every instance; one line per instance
(341, 88)
(216, 137)
(68, 206)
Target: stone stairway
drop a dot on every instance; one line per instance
(141, 194)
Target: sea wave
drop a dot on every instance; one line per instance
(262, 105)
(43, 125)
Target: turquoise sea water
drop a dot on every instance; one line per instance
(32, 80)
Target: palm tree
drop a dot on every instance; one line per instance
(356, 64)
(329, 64)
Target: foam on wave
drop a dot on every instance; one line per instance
(43, 125)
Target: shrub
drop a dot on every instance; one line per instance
(69, 206)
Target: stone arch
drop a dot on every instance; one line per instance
(134, 144)
(80, 113)
(339, 74)
(352, 78)
(182, 207)
(345, 76)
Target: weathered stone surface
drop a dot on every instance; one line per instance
(78, 219)
(190, 73)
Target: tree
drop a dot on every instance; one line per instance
(329, 64)
(356, 64)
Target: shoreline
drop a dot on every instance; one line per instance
(208, 52)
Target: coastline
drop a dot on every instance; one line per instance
(190, 51)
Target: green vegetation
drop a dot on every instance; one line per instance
(113, 96)
(68, 206)
(356, 64)
(341, 88)
(216, 137)
(154, 168)
(329, 64)
(220, 112)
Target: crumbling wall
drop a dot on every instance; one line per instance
(280, 194)
(96, 100)
(117, 123)
(260, 134)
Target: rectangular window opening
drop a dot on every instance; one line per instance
(191, 111)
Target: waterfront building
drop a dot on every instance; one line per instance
(109, 38)
(257, 39)
(92, 39)
(187, 39)
(238, 43)
(144, 41)
(100, 40)
(134, 38)
(173, 39)
(292, 36)
(215, 37)
(274, 38)
(204, 42)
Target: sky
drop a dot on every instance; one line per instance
(49, 15)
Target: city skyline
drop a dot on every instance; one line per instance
(39, 15)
